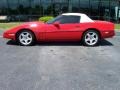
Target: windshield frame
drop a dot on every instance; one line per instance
(69, 19)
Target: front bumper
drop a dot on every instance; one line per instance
(9, 35)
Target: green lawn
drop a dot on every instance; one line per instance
(5, 26)
(117, 26)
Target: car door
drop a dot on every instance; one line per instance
(65, 28)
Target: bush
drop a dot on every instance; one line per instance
(46, 18)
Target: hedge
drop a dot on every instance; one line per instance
(46, 18)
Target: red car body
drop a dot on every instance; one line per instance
(62, 32)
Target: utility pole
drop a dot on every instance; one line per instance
(8, 7)
(69, 5)
(52, 7)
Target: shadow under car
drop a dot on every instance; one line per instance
(102, 43)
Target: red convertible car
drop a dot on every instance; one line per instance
(65, 27)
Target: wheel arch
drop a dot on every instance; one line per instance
(27, 29)
(94, 29)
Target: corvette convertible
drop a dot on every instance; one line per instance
(65, 27)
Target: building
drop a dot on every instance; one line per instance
(33, 9)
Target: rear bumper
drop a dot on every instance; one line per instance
(9, 36)
(108, 34)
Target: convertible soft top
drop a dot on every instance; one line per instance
(84, 18)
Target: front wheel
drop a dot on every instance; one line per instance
(26, 38)
(91, 38)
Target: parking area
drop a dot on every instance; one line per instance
(60, 66)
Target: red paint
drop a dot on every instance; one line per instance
(63, 32)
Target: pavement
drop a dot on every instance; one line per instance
(60, 66)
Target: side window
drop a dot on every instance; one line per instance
(70, 19)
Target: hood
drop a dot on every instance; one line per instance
(31, 23)
(25, 25)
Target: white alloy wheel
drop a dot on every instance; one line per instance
(25, 38)
(91, 38)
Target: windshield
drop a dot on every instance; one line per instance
(54, 20)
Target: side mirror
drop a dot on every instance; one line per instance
(56, 24)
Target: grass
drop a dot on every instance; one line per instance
(5, 26)
(117, 27)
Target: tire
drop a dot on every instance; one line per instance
(25, 38)
(91, 38)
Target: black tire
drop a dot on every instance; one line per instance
(97, 36)
(31, 36)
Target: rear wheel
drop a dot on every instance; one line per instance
(91, 38)
(26, 38)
